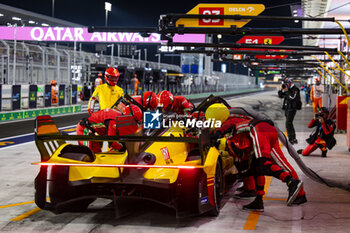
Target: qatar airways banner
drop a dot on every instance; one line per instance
(67, 34)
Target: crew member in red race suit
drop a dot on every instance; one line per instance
(323, 137)
(176, 104)
(269, 159)
(148, 100)
(104, 122)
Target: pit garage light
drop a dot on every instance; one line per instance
(16, 18)
(31, 22)
(1, 15)
(45, 25)
(119, 165)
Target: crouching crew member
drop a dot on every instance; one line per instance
(323, 137)
(269, 159)
(104, 122)
(176, 104)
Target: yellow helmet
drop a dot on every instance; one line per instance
(217, 112)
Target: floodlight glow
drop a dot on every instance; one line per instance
(31, 22)
(45, 25)
(1, 15)
(108, 6)
(16, 18)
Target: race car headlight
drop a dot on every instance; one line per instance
(147, 158)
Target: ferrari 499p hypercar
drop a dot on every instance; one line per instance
(164, 165)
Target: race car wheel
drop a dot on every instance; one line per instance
(60, 191)
(218, 190)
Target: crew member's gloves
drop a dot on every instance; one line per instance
(214, 138)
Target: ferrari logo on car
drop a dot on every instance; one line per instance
(267, 41)
(165, 153)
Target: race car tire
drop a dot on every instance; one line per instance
(60, 191)
(218, 190)
(40, 187)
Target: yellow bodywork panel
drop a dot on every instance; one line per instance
(210, 162)
(84, 173)
(170, 153)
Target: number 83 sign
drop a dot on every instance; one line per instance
(221, 9)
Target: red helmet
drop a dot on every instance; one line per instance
(99, 75)
(149, 100)
(166, 98)
(135, 111)
(53, 82)
(112, 76)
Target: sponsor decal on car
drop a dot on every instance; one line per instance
(165, 153)
(204, 200)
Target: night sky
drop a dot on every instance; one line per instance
(139, 13)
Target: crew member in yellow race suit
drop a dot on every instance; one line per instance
(106, 94)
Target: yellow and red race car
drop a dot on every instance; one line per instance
(166, 166)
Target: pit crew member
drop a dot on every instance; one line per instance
(106, 94)
(104, 122)
(176, 104)
(98, 80)
(316, 96)
(54, 92)
(269, 159)
(148, 100)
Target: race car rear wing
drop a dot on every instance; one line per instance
(44, 125)
(48, 138)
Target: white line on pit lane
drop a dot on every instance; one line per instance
(21, 144)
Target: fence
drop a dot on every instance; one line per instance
(25, 63)
(35, 64)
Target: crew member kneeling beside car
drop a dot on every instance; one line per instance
(268, 157)
(323, 137)
(104, 122)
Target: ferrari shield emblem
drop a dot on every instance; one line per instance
(267, 41)
(165, 153)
